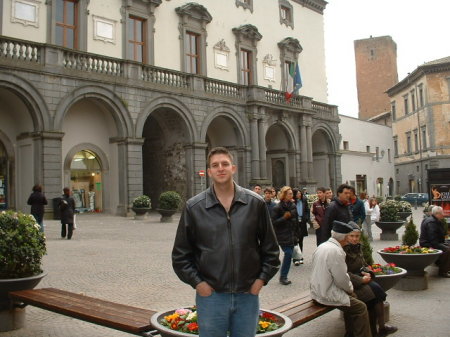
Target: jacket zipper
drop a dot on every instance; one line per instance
(230, 240)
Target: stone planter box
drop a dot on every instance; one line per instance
(284, 321)
(388, 281)
(388, 230)
(416, 278)
(404, 215)
(141, 212)
(166, 214)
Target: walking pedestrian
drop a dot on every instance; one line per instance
(357, 207)
(67, 208)
(226, 249)
(268, 199)
(284, 219)
(37, 200)
(373, 211)
(318, 212)
(303, 216)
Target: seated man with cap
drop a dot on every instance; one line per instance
(330, 284)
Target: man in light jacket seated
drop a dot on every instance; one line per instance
(330, 283)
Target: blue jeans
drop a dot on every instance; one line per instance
(286, 265)
(223, 313)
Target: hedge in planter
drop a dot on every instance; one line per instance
(411, 234)
(169, 200)
(22, 245)
(142, 201)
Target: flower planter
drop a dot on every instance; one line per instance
(141, 212)
(416, 277)
(166, 214)
(12, 318)
(404, 215)
(388, 230)
(388, 281)
(284, 321)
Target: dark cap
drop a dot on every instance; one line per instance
(354, 226)
(342, 227)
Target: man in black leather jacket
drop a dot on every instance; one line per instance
(226, 249)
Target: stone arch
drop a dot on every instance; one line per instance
(104, 168)
(329, 132)
(167, 102)
(116, 104)
(31, 97)
(280, 154)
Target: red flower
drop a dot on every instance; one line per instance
(192, 327)
(268, 316)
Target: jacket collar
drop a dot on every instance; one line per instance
(239, 196)
(335, 242)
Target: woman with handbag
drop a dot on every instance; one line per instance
(284, 220)
(303, 217)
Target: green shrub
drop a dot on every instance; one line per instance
(169, 200)
(411, 234)
(379, 200)
(142, 201)
(22, 245)
(405, 206)
(389, 211)
(366, 247)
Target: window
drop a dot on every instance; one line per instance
(136, 39)
(290, 48)
(416, 140)
(345, 145)
(247, 37)
(389, 155)
(413, 100)
(393, 111)
(193, 21)
(421, 102)
(377, 153)
(367, 148)
(405, 100)
(424, 137)
(286, 13)
(396, 146)
(408, 142)
(66, 23)
(417, 168)
(192, 53)
(246, 64)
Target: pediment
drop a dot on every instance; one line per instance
(194, 11)
(248, 31)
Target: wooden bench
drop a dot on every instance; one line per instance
(300, 309)
(109, 314)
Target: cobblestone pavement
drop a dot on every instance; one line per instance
(128, 261)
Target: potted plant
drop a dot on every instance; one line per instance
(183, 323)
(141, 205)
(387, 275)
(389, 220)
(169, 202)
(22, 247)
(405, 210)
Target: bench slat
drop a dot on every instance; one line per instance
(308, 315)
(113, 315)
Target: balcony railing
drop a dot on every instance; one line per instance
(49, 55)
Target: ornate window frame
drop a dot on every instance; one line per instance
(290, 49)
(82, 24)
(221, 53)
(193, 18)
(247, 37)
(289, 22)
(245, 4)
(24, 21)
(144, 9)
(99, 34)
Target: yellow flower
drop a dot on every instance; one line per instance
(170, 318)
(263, 324)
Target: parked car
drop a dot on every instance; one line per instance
(413, 198)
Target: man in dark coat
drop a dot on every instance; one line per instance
(37, 200)
(338, 210)
(432, 235)
(67, 208)
(318, 212)
(268, 199)
(357, 207)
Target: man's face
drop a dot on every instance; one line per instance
(353, 237)
(268, 195)
(257, 189)
(274, 193)
(329, 194)
(221, 169)
(345, 195)
(352, 195)
(320, 195)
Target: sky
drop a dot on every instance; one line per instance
(420, 28)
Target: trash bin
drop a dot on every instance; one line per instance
(56, 211)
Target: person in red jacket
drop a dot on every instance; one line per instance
(318, 211)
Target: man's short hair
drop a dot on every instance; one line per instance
(219, 150)
(257, 185)
(342, 187)
(268, 190)
(321, 189)
(436, 209)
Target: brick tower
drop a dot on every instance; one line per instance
(376, 72)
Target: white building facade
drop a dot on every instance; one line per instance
(120, 98)
(367, 160)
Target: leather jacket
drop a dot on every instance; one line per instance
(227, 250)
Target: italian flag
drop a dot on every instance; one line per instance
(294, 81)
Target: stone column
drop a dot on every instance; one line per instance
(199, 154)
(255, 146)
(303, 153)
(262, 130)
(310, 152)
